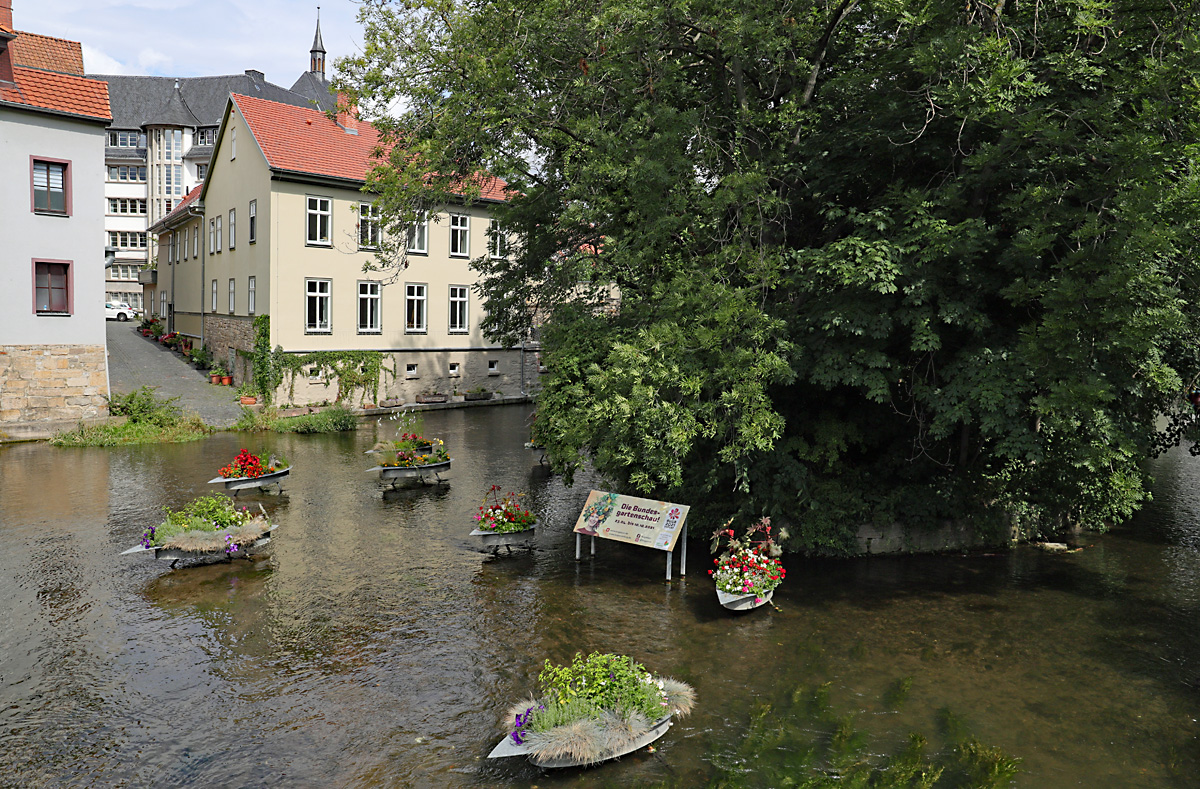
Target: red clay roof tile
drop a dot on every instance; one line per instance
(58, 92)
(32, 50)
(303, 140)
(182, 205)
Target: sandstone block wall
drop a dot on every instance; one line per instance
(432, 375)
(52, 383)
(224, 335)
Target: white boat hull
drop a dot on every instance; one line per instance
(741, 602)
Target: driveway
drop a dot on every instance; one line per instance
(135, 361)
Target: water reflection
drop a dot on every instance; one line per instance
(377, 644)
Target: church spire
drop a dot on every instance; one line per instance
(316, 63)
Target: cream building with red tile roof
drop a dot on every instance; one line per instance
(282, 227)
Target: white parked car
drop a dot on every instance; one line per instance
(119, 311)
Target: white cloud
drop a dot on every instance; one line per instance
(176, 38)
(97, 62)
(153, 62)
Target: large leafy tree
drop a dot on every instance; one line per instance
(833, 262)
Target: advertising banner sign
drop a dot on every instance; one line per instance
(646, 522)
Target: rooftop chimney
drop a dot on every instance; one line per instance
(6, 25)
(347, 114)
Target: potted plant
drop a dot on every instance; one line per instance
(216, 373)
(431, 397)
(479, 394)
(748, 571)
(209, 528)
(502, 521)
(200, 357)
(597, 708)
(456, 396)
(248, 470)
(408, 436)
(246, 395)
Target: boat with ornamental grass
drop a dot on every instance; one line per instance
(208, 529)
(597, 708)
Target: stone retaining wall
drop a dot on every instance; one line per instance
(51, 383)
(508, 371)
(223, 334)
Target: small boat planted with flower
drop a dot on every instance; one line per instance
(503, 522)
(248, 471)
(746, 602)
(394, 473)
(206, 530)
(595, 709)
(748, 571)
(413, 464)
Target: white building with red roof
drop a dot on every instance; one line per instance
(53, 369)
(282, 227)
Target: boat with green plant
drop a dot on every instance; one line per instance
(207, 529)
(594, 709)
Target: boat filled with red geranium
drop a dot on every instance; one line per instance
(249, 471)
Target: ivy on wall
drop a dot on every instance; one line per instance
(353, 370)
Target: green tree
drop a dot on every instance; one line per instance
(833, 262)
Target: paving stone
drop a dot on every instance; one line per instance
(135, 361)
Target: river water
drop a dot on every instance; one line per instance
(378, 647)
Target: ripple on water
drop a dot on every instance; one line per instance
(378, 645)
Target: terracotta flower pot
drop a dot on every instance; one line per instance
(216, 379)
(226, 380)
(248, 399)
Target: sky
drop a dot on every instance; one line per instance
(181, 38)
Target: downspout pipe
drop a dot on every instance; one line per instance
(196, 210)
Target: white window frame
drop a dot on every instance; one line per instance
(251, 296)
(459, 295)
(213, 306)
(497, 241)
(196, 239)
(416, 308)
(460, 235)
(232, 234)
(320, 209)
(253, 221)
(232, 143)
(232, 294)
(370, 299)
(319, 292)
(419, 232)
(186, 233)
(369, 220)
(212, 244)
(454, 370)
(218, 234)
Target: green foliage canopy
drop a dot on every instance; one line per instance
(830, 262)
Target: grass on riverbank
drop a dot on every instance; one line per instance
(149, 420)
(332, 420)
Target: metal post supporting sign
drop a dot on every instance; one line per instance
(645, 522)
